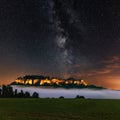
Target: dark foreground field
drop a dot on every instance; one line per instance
(59, 109)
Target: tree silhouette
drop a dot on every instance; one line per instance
(35, 95)
(7, 91)
(27, 94)
(0, 92)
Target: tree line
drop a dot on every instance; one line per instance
(6, 91)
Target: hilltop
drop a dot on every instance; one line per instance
(36, 80)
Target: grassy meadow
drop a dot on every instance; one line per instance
(59, 109)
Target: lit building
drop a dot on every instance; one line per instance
(47, 81)
(19, 81)
(56, 81)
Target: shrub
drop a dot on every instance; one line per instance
(80, 97)
(61, 97)
(35, 95)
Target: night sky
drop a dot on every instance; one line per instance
(62, 38)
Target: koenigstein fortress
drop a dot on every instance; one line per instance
(36, 80)
(47, 81)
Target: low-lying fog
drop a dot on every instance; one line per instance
(70, 93)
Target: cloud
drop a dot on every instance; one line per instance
(108, 66)
(112, 64)
(91, 73)
(70, 93)
(113, 67)
(111, 60)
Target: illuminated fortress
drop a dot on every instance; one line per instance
(46, 81)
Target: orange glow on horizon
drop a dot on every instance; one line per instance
(111, 82)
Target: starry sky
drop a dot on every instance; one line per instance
(62, 38)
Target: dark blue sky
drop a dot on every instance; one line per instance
(68, 38)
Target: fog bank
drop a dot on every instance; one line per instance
(70, 93)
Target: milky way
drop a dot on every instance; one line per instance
(64, 38)
(64, 56)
